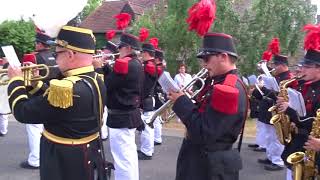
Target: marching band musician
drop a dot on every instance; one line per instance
(3, 117)
(274, 148)
(109, 48)
(159, 57)
(213, 127)
(310, 71)
(148, 102)
(70, 109)
(124, 89)
(44, 55)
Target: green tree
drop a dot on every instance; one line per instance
(90, 7)
(273, 18)
(20, 34)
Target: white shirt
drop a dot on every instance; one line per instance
(182, 79)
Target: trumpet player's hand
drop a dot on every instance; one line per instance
(97, 62)
(312, 144)
(14, 72)
(35, 71)
(173, 96)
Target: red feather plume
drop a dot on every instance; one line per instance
(155, 42)
(201, 16)
(123, 20)
(274, 46)
(312, 38)
(110, 34)
(267, 55)
(144, 34)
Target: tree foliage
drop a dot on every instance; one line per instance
(252, 29)
(20, 34)
(90, 7)
(273, 18)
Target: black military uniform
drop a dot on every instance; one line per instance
(159, 95)
(311, 94)
(124, 89)
(269, 98)
(71, 110)
(150, 79)
(214, 126)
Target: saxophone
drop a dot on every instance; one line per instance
(304, 164)
(280, 120)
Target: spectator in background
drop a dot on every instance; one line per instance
(182, 78)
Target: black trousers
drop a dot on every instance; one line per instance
(66, 162)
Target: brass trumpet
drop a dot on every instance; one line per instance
(199, 76)
(104, 55)
(27, 74)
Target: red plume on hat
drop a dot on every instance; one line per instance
(274, 46)
(144, 34)
(155, 42)
(201, 16)
(123, 20)
(312, 39)
(110, 34)
(267, 55)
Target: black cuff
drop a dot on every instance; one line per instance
(183, 107)
(293, 115)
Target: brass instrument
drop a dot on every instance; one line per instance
(111, 56)
(304, 164)
(27, 74)
(199, 76)
(280, 120)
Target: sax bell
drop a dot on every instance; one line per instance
(297, 161)
(295, 158)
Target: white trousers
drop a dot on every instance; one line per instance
(104, 128)
(261, 134)
(34, 134)
(3, 124)
(124, 152)
(274, 147)
(289, 174)
(157, 130)
(147, 135)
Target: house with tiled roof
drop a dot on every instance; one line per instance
(101, 20)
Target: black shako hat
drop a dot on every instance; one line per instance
(311, 57)
(214, 43)
(159, 54)
(76, 39)
(111, 47)
(129, 40)
(280, 59)
(43, 38)
(148, 47)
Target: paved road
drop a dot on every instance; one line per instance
(162, 167)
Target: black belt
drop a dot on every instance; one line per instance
(120, 112)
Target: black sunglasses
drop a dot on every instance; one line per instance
(207, 57)
(56, 53)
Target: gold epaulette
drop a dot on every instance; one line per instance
(60, 92)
